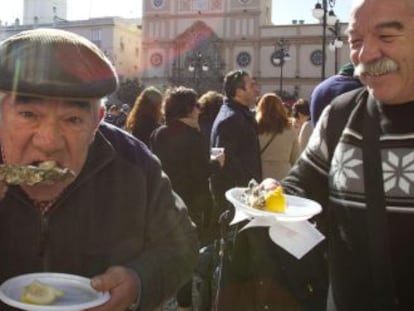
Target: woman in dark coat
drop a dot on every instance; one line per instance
(210, 103)
(145, 115)
(184, 155)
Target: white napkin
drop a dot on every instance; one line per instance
(296, 237)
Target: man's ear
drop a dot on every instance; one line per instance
(101, 113)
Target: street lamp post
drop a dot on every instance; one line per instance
(279, 57)
(326, 17)
(198, 65)
(336, 41)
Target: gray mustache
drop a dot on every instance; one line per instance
(381, 66)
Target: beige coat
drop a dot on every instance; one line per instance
(280, 155)
(304, 134)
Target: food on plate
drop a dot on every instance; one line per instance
(267, 196)
(275, 201)
(46, 172)
(39, 293)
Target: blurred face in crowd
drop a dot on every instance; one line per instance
(258, 89)
(299, 119)
(247, 96)
(382, 48)
(34, 129)
(195, 113)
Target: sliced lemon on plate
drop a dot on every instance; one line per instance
(39, 293)
(275, 201)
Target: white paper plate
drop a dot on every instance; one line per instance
(297, 208)
(79, 294)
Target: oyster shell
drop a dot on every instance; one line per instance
(46, 172)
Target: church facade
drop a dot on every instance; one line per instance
(195, 42)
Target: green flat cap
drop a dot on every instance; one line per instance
(55, 63)
(347, 70)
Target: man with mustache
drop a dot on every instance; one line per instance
(115, 219)
(362, 171)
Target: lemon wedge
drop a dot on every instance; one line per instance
(40, 294)
(275, 201)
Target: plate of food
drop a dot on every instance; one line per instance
(268, 200)
(51, 292)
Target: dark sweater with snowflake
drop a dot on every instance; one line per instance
(337, 181)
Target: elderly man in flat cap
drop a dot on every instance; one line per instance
(98, 205)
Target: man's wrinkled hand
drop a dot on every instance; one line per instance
(123, 285)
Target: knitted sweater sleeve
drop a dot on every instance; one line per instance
(309, 176)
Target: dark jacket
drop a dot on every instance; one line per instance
(143, 128)
(327, 90)
(206, 124)
(118, 211)
(184, 156)
(254, 276)
(235, 129)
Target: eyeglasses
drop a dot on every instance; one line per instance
(237, 74)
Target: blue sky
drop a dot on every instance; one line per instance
(284, 11)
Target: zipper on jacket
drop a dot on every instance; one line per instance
(44, 241)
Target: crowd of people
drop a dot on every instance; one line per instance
(146, 192)
(260, 138)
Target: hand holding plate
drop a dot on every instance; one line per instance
(122, 283)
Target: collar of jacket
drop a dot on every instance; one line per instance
(191, 122)
(237, 105)
(101, 152)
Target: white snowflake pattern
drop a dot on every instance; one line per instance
(317, 141)
(398, 172)
(343, 167)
